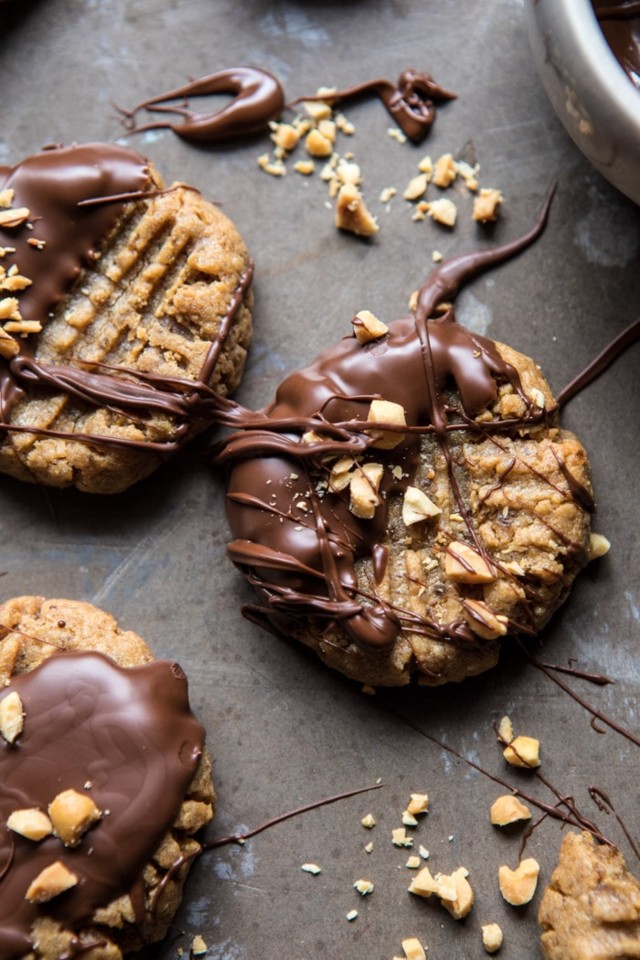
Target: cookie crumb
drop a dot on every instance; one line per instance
(400, 839)
(387, 194)
(396, 134)
(443, 211)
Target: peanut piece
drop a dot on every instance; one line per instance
(445, 171)
(385, 411)
(400, 838)
(523, 752)
(198, 946)
(416, 507)
(364, 491)
(8, 346)
(369, 821)
(317, 145)
(483, 620)
(443, 211)
(598, 546)
(284, 136)
(10, 309)
(413, 949)
(11, 717)
(419, 803)
(416, 187)
(305, 167)
(51, 882)
(518, 886)
(317, 110)
(352, 214)
(342, 473)
(14, 217)
(423, 884)
(72, 814)
(460, 906)
(508, 809)
(6, 197)
(367, 327)
(491, 937)
(363, 887)
(312, 868)
(464, 564)
(505, 730)
(30, 823)
(486, 205)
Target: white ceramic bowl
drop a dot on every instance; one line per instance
(594, 98)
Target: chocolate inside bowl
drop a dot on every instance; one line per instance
(589, 69)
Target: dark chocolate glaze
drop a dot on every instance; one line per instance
(257, 98)
(620, 22)
(131, 734)
(76, 196)
(298, 542)
(411, 102)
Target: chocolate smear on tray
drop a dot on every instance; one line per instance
(411, 101)
(257, 98)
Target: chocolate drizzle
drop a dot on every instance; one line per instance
(76, 196)
(297, 540)
(602, 362)
(411, 102)
(131, 735)
(257, 98)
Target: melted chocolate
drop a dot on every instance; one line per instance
(129, 733)
(602, 362)
(76, 196)
(297, 541)
(620, 24)
(411, 102)
(257, 99)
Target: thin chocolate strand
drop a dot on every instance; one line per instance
(602, 362)
(595, 713)
(604, 803)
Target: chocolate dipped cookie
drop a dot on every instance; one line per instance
(104, 779)
(409, 500)
(121, 302)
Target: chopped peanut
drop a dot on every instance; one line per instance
(483, 620)
(523, 752)
(445, 171)
(464, 564)
(443, 211)
(419, 803)
(413, 949)
(11, 717)
(508, 809)
(367, 327)
(352, 214)
(518, 886)
(72, 814)
(30, 823)
(598, 546)
(491, 937)
(51, 882)
(385, 411)
(486, 205)
(416, 187)
(364, 490)
(416, 507)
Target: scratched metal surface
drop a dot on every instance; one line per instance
(284, 730)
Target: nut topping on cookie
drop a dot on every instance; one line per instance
(51, 882)
(72, 814)
(32, 824)
(11, 717)
(463, 564)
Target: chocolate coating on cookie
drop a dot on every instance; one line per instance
(129, 734)
(322, 566)
(257, 98)
(620, 22)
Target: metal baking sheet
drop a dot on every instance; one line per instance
(284, 730)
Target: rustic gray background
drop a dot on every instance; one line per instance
(282, 728)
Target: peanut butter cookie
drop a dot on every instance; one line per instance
(409, 500)
(120, 302)
(104, 781)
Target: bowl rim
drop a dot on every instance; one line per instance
(609, 76)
